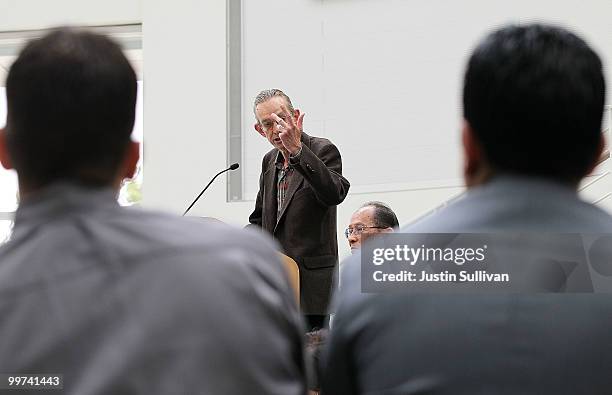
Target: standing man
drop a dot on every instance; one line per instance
(300, 186)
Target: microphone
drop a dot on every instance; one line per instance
(232, 167)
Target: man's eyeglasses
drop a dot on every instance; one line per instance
(270, 124)
(358, 229)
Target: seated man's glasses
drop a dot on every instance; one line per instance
(358, 229)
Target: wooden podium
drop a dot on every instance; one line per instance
(293, 271)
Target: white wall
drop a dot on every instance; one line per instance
(185, 118)
(185, 115)
(382, 79)
(185, 87)
(40, 14)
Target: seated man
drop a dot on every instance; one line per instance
(123, 301)
(370, 219)
(533, 100)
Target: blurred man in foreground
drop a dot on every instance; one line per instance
(121, 301)
(533, 100)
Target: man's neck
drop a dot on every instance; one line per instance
(285, 154)
(26, 190)
(483, 179)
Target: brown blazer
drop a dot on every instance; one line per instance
(306, 227)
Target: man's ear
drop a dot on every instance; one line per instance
(601, 155)
(473, 156)
(257, 127)
(296, 113)
(4, 154)
(131, 160)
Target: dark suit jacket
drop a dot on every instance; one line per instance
(306, 227)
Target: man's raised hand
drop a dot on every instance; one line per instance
(291, 130)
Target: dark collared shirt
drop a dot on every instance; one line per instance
(283, 176)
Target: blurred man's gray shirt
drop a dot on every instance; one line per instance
(131, 301)
(510, 343)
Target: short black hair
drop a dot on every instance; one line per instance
(71, 98)
(534, 97)
(383, 215)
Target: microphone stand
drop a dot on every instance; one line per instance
(232, 167)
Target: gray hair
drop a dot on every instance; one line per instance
(268, 94)
(383, 215)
